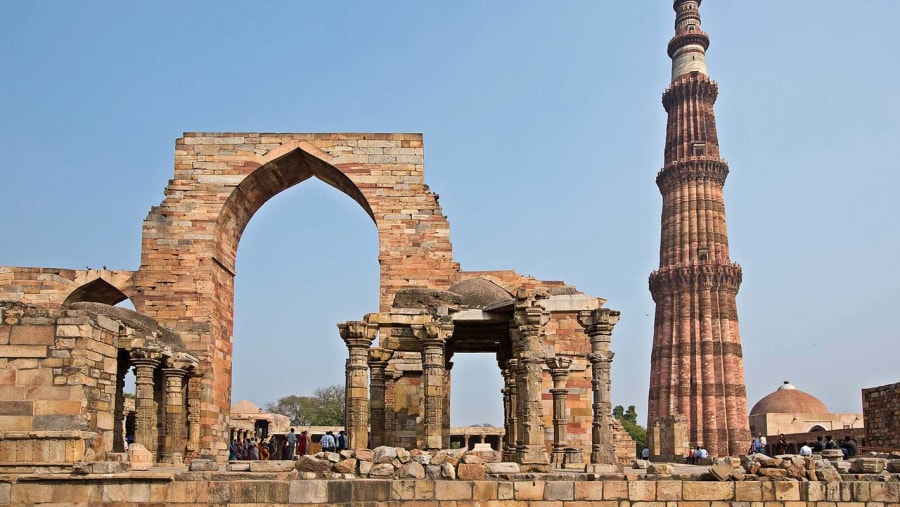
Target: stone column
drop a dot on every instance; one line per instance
(445, 409)
(358, 336)
(559, 371)
(433, 336)
(512, 432)
(145, 362)
(599, 325)
(119, 408)
(378, 361)
(173, 444)
(390, 377)
(192, 447)
(530, 319)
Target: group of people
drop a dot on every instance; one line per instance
(249, 449)
(694, 454)
(848, 446)
(291, 446)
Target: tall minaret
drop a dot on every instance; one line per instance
(697, 368)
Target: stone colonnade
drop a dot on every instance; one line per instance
(167, 416)
(522, 366)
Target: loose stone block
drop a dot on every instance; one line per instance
(470, 472)
(271, 466)
(502, 468)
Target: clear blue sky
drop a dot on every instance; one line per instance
(543, 135)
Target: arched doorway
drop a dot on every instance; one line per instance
(307, 260)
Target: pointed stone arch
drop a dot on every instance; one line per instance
(96, 286)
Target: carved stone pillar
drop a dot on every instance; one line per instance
(433, 336)
(530, 320)
(445, 424)
(145, 431)
(390, 378)
(173, 443)
(512, 432)
(192, 447)
(559, 371)
(599, 325)
(378, 361)
(358, 336)
(119, 408)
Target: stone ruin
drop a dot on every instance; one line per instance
(65, 349)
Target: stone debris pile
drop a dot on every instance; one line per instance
(389, 463)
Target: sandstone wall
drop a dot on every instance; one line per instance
(53, 288)
(881, 415)
(208, 488)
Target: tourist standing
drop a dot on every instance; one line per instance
(289, 444)
(303, 444)
(328, 443)
(781, 446)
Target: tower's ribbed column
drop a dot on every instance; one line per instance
(696, 365)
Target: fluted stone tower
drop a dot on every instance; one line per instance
(697, 370)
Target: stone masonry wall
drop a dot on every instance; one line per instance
(212, 488)
(881, 416)
(52, 288)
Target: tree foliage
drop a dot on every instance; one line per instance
(324, 408)
(629, 422)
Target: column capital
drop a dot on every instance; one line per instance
(559, 363)
(599, 321)
(357, 333)
(146, 357)
(438, 331)
(379, 357)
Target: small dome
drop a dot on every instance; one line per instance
(787, 399)
(478, 292)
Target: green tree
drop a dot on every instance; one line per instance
(629, 422)
(324, 408)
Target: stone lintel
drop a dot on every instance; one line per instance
(571, 303)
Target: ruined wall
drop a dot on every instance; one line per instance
(199, 488)
(57, 387)
(54, 288)
(186, 278)
(881, 414)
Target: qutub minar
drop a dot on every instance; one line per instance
(697, 369)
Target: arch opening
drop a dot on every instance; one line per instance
(98, 291)
(309, 261)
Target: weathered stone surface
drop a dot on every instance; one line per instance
(382, 470)
(271, 466)
(827, 473)
(893, 466)
(660, 469)
(140, 457)
(345, 466)
(448, 471)
(332, 457)
(403, 455)
(384, 454)
(364, 454)
(309, 463)
(502, 468)
(470, 472)
(365, 467)
(721, 471)
(411, 470)
(716, 491)
(867, 465)
(471, 459)
(640, 464)
(203, 465)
